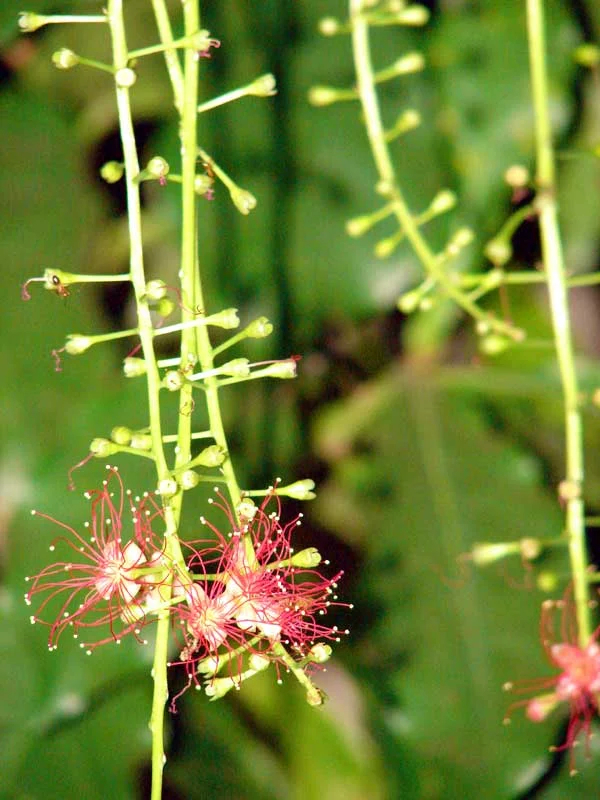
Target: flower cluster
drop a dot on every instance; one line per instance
(577, 683)
(238, 601)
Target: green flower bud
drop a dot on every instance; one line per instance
(212, 456)
(237, 368)
(299, 490)
(320, 653)
(460, 240)
(530, 548)
(173, 380)
(227, 319)
(329, 26)
(498, 251)
(307, 558)
(141, 441)
(218, 687)
(264, 86)
(411, 62)
(323, 95)
(281, 369)
(359, 225)
(134, 367)
(243, 200)
(189, 479)
(112, 171)
(493, 344)
(208, 666)
(65, 59)
(259, 328)
(164, 307)
(385, 247)
(157, 167)
(102, 448)
(409, 301)
(167, 487)
(547, 582)
(517, 176)
(484, 553)
(413, 15)
(588, 55)
(125, 78)
(76, 344)
(156, 290)
(121, 435)
(443, 201)
(30, 22)
(203, 184)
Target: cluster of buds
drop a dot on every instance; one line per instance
(238, 601)
(576, 684)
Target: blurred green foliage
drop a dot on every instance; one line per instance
(422, 447)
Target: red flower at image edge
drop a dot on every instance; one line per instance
(577, 683)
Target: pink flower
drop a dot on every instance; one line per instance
(106, 582)
(251, 594)
(577, 682)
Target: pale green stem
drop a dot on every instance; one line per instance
(172, 61)
(559, 306)
(387, 177)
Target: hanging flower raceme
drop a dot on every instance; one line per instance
(253, 598)
(577, 683)
(108, 580)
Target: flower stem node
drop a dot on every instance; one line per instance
(65, 59)
(102, 448)
(299, 490)
(189, 479)
(243, 200)
(141, 441)
(167, 488)
(227, 319)
(173, 380)
(77, 344)
(134, 367)
(125, 78)
(112, 171)
(121, 435)
(259, 328)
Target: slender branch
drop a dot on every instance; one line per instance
(559, 305)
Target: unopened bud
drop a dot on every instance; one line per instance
(320, 653)
(259, 328)
(264, 86)
(112, 171)
(141, 441)
(307, 558)
(485, 553)
(315, 696)
(102, 448)
(134, 367)
(493, 344)
(413, 15)
(125, 78)
(65, 59)
(460, 240)
(121, 435)
(76, 344)
(323, 95)
(411, 62)
(212, 456)
(167, 487)
(588, 55)
(156, 290)
(409, 301)
(189, 479)
(281, 369)
(517, 176)
(164, 307)
(236, 368)
(299, 490)
(243, 200)
(530, 548)
(329, 26)
(498, 251)
(202, 41)
(218, 687)
(443, 201)
(157, 167)
(173, 381)
(203, 184)
(227, 319)
(30, 22)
